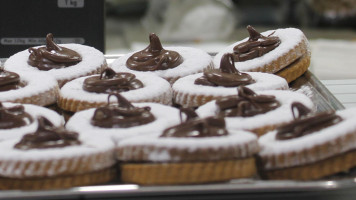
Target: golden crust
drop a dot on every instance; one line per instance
(45, 183)
(41, 99)
(296, 69)
(315, 170)
(187, 173)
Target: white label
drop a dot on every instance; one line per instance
(70, 3)
(39, 41)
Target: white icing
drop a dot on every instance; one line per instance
(154, 87)
(264, 81)
(166, 116)
(280, 115)
(235, 138)
(290, 37)
(92, 59)
(91, 145)
(34, 111)
(36, 83)
(271, 146)
(195, 60)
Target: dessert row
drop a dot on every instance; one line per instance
(171, 115)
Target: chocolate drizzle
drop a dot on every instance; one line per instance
(14, 117)
(194, 127)
(48, 136)
(246, 104)
(257, 45)
(9, 80)
(52, 56)
(154, 57)
(306, 123)
(109, 81)
(123, 115)
(226, 76)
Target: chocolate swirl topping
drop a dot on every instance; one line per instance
(154, 57)
(306, 123)
(9, 80)
(47, 136)
(109, 81)
(123, 115)
(14, 117)
(226, 76)
(194, 127)
(246, 104)
(52, 56)
(257, 45)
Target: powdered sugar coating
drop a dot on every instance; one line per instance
(14, 160)
(35, 83)
(154, 87)
(92, 59)
(163, 144)
(194, 61)
(34, 111)
(280, 115)
(290, 37)
(166, 116)
(263, 81)
(271, 146)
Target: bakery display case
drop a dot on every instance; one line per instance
(201, 45)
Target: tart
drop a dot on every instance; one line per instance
(198, 89)
(284, 52)
(199, 150)
(52, 158)
(29, 88)
(19, 119)
(312, 146)
(92, 91)
(258, 112)
(63, 62)
(169, 63)
(124, 120)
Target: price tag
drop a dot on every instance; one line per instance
(70, 3)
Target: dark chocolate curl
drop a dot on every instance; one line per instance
(48, 136)
(305, 122)
(196, 127)
(256, 46)
(246, 104)
(9, 80)
(109, 81)
(52, 56)
(226, 76)
(122, 115)
(154, 57)
(14, 117)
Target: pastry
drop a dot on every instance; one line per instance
(284, 52)
(169, 63)
(195, 151)
(92, 91)
(63, 62)
(312, 146)
(198, 89)
(258, 112)
(52, 158)
(124, 120)
(29, 88)
(19, 119)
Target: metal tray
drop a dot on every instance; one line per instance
(340, 186)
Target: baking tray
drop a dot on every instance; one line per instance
(340, 186)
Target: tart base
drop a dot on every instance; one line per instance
(315, 170)
(187, 173)
(97, 177)
(296, 69)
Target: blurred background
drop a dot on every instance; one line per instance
(330, 26)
